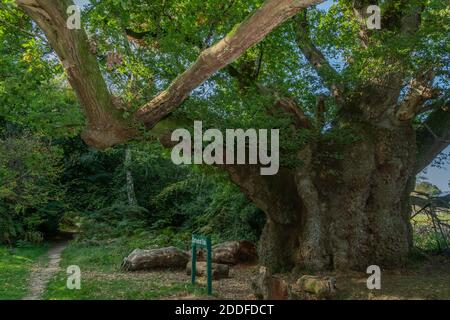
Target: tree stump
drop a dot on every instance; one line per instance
(274, 287)
(269, 287)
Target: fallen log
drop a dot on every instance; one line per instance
(231, 253)
(170, 258)
(278, 287)
(219, 271)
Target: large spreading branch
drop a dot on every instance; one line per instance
(106, 126)
(247, 34)
(315, 57)
(287, 105)
(105, 123)
(433, 137)
(421, 90)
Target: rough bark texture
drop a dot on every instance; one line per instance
(170, 257)
(235, 252)
(349, 218)
(105, 123)
(251, 31)
(269, 287)
(315, 56)
(219, 271)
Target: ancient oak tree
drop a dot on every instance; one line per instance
(361, 111)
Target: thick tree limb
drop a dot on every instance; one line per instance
(106, 126)
(320, 112)
(440, 103)
(289, 106)
(421, 90)
(360, 14)
(261, 188)
(433, 138)
(328, 74)
(105, 123)
(286, 104)
(250, 32)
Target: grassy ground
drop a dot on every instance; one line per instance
(15, 267)
(425, 278)
(101, 277)
(119, 286)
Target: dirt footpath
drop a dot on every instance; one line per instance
(43, 272)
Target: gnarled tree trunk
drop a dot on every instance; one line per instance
(338, 214)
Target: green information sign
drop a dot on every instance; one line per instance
(199, 241)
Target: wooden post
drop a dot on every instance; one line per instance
(194, 263)
(202, 242)
(209, 264)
